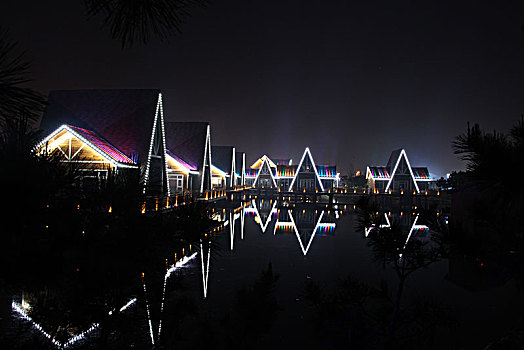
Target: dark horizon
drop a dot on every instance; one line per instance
(351, 81)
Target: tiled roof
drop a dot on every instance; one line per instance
(103, 145)
(180, 160)
(123, 117)
(420, 173)
(222, 157)
(327, 170)
(379, 172)
(187, 140)
(286, 170)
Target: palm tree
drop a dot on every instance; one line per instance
(16, 100)
(133, 21)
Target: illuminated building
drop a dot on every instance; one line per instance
(189, 156)
(223, 160)
(398, 176)
(282, 174)
(240, 168)
(107, 130)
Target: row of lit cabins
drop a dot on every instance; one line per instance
(119, 130)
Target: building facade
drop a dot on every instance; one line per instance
(398, 176)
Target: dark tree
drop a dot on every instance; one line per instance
(132, 21)
(16, 100)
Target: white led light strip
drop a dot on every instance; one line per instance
(306, 151)
(402, 153)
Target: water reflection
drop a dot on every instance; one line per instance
(305, 220)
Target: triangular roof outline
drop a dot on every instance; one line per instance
(266, 160)
(306, 151)
(400, 154)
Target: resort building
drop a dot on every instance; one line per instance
(398, 176)
(240, 169)
(223, 170)
(189, 156)
(108, 130)
(282, 174)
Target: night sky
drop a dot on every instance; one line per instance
(352, 80)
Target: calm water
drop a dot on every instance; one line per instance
(321, 245)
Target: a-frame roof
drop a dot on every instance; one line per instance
(400, 154)
(258, 163)
(239, 162)
(187, 140)
(307, 153)
(125, 118)
(222, 157)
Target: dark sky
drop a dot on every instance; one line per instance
(352, 80)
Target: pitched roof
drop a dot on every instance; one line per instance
(238, 162)
(222, 157)
(420, 173)
(393, 159)
(187, 140)
(123, 117)
(102, 145)
(379, 172)
(180, 160)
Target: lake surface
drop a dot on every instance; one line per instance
(304, 243)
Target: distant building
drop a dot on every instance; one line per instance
(240, 169)
(398, 176)
(189, 156)
(282, 174)
(108, 130)
(223, 167)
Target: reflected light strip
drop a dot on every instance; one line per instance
(76, 338)
(305, 251)
(205, 273)
(180, 263)
(268, 220)
(148, 314)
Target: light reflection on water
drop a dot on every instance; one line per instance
(300, 242)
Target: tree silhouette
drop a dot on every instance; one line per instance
(16, 100)
(132, 21)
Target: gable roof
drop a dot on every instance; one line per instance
(307, 152)
(401, 154)
(101, 146)
(124, 118)
(239, 163)
(187, 140)
(222, 157)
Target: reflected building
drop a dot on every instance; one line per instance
(306, 224)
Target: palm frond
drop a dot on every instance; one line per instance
(16, 100)
(133, 21)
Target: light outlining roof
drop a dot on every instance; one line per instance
(158, 111)
(402, 153)
(207, 155)
(306, 151)
(265, 161)
(233, 169)
(164, 144)
(106, 154)
(183, 166)
(218, 171)
(259, 161)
